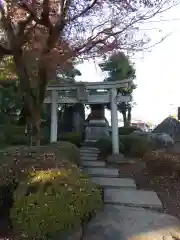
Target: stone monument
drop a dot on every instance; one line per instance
(96, 126)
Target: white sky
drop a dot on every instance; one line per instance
(158, 71)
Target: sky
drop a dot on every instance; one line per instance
(157, 70)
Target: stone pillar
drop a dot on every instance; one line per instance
(114, 122)
(54, 117)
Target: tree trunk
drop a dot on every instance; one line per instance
(129, 116)
(124, 119)
(33, 121)
(32, 99)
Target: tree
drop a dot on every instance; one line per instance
(42, 35)
(119, 67)
(68, 74)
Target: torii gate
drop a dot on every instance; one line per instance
(105, 92)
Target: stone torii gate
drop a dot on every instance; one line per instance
(87, 93)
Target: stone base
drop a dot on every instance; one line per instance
(115, 158)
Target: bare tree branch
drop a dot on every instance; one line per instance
(89, 7)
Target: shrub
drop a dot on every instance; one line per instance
(49, 203)
(17, 162)
(70, 152)
(162, 162)
(11, 134)
(105, 146)
(136, 146)
(127, 130)
(73, 137)
(14, 135)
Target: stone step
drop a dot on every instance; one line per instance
(89, 148)
(89, 158)
(93, 164)
(130, 197)
(89, 154)
(114, 182)
(102, 172)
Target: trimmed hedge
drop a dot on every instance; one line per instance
(136, 146)
(44, 175)
(68, 151)
(127, 130)
(105, 146)
(16, 162)
(49, 203)
(73, 137)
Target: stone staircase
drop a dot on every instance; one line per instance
(128, 213)
(117, 191)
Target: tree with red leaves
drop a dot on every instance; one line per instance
(43, 35)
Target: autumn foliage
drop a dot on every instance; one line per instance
(43, 36)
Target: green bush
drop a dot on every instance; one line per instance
(13, 135)
(136, 146)
(16, 162)
(51, 202)
(73, 137)
(126, 130)
(105, 146)
(69, 151)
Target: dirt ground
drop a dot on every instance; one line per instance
(167, 189)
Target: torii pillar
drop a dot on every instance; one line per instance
(114, 122)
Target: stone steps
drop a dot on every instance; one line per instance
(87, 158)
(106, 182)
(131, 197)
(89, 151)
(93, 164)
(102, 172)
(117, 191)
